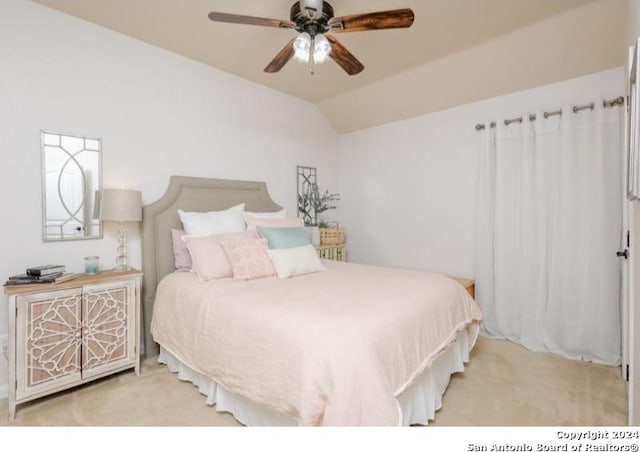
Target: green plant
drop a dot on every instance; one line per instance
(311, 204)
(305, 208)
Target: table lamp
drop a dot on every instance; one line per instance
(121, 206)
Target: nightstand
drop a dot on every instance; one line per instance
(332, 252)
(63, 335)
(468, 284)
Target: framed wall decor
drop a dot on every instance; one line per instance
(633, 123)
(307, 178)
(71, 177)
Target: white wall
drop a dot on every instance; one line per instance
(408, 188)
(157, 113)
(633, 28)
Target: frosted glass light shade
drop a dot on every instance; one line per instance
(121, 205)
(305, 44)
(321, 49)
(301, 47)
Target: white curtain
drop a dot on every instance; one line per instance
(548, 225)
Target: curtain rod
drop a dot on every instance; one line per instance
(576, 109)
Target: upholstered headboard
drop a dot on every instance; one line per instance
(190, 194)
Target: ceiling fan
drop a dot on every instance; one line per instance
(312, 19)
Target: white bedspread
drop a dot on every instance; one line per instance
(328, 348)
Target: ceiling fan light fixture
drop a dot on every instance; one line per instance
(312, 19)
(302, 47)
(321, 49)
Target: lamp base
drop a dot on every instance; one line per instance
(122, 268)
(121, 260)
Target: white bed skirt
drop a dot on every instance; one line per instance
(418, 402)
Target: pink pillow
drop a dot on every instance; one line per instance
(209, 259)
(253, 223)
(182, 258)
(248, 257)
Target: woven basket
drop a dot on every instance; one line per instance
(332, 236)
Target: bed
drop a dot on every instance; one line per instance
(351, 345)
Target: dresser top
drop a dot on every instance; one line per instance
(80, 280)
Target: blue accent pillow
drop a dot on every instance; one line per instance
(279, 238)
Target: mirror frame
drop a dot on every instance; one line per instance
(46, 238)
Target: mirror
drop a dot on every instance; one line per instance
(71, 176)
(307, 182)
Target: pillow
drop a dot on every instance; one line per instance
(285, 237)
(200, 224)
(253, 223)
(247, 256)
(295, 261)
(182, 258)
(209, 259)
(282, 213)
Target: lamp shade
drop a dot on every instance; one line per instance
(121, 205)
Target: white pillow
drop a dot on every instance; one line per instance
(295, 261)
(200, 224)
(265, 215)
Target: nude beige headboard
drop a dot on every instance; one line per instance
(190, 194)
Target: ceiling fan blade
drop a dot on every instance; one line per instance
(397, 18)
(343, 57)
(250, 20)
(281, 58)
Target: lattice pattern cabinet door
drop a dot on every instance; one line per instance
(48, 329)
(63, 335)
(108, 333)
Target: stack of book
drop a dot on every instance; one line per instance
(43, 274)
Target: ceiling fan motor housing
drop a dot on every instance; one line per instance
(310, 19)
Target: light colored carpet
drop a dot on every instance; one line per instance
(503, 385)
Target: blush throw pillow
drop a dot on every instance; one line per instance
(200, 224)
(285, 237)
(182, 258)
(295, 261)
(253, 223)
(209, 259)
(248, 257)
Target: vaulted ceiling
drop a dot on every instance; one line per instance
(400, 64)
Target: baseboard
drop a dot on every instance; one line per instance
(4, 391)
